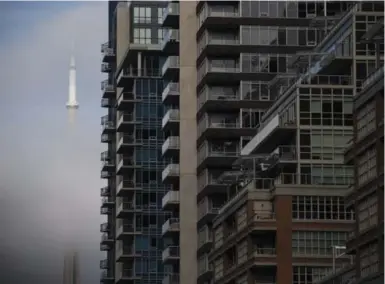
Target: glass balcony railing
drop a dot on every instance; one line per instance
(170, 170)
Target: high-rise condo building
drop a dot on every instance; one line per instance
(226, 129)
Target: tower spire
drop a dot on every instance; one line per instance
(72, 104)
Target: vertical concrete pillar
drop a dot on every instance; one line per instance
(188, 136)
(140, 64)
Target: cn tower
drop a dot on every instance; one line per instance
(72, 105)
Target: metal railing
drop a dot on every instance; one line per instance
(106, 49)
(262, 216)
(264, 251)
(103, 264)
(106, 67)
(107, 199)
(106, 86)
(105, 237)
(139, 72)
(105, 191)
(308, 179)
(210, 95)
(105, 227)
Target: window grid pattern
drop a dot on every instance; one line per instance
(368, 213)
(320, 208)
(142, 15)
(308, 274)
(369, 260)
(366, 120)
(316, 242)
(367, 166)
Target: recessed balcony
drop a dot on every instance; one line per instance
(205, 240)
(126, 188)
(106, 239)
(170, 43)
(208, 183)
(171, 173)
(170, 226)
(127, 231)
(108, 163)
(105, 211)
(170, 255)
(108, 53)
(170, 200)
(127, 143)
(127, 122)
(105, 227)
(105, 138)
(171, 16)
(170, 69)
(127, 76)
(126, 210)
(207, 210)
(217, 154)
(106, 67)
(170, 120)
(127, 101)
(170, 147)
(107, 277)
(108, 90)
(126, 166)
(103, 264)
(171, 278)
(170, 94)
(264, 256)
(126, 253)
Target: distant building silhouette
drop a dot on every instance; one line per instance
(71, 268)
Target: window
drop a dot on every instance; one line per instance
(368, 213)
(142, 15)
(160, 15)
(369, 260)
(308, 274)
(320, 208)
(367, 166)
(142, 36)
(366, 120)
(316, 243)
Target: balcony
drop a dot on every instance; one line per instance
(105, 211)
(108, 164)
(219, 43)
(106, 67)
(171, 173)
(222, 127)
(127, 101)
(126, 275)
(106, 239)
(103, 264)
(264, 256)
(105, 191)
(170, 255)
(108, 126)
(108, 90)
(126, 209)
(262, 221)
(170, 200)
(373, 78)
(127, 231)
(170, 69)
(170, 94)
(107, 103)
(107, 202)
(170, 120)
(207, 210)
(220, 154)
(105, 138)
(126, 253)
(106, 277)
(220, 72)
(126, 166)
(170, 226)
(106, 174)
(205, 240)
(270, 135)
(108, 53)
(127, 143)
(170, 43)
(228, 99)
(127, 122)
(208, 183)
(105, 227)
(170, 147)
(205, 271)
(171, 16)
(171, 278)
(127, 76)
(306, 180)
(127, 188)
(106, 247)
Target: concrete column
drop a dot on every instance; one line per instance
(139, 64)
(188, 136)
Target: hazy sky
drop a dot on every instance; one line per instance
(49, 174)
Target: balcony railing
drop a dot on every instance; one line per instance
(141, 72)
(262, 216)
(172, 142)
(218, 122)
(204, 238)
(226, 94)
(171, 196)
(105, 237)
(171, 278)
(308, 179)
(171, 62)
(264, 251)
(106, 50)
(171, 35)
(171, 89)
(207, 207)
(171, 251)
(171, 9)
(217, 151)
(338, 80)
(170, 224)
(106, 86)
(171, 115)
(171, 170)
